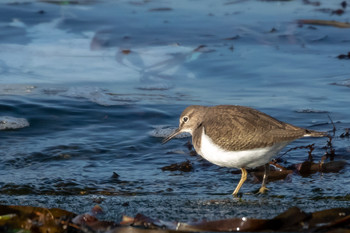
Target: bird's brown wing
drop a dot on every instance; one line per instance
(238, 128)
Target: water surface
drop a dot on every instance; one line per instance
(98, 81)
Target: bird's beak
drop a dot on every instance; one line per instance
(173, 134)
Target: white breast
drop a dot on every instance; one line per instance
(237, 159)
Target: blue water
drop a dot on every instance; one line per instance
(102, 83)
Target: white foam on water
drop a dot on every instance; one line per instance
(57, 62)
(158, 62)
(94, 94)
(97, 95)
(156, 87)
(58, 56)
(8, 122)
(55, 55)
(16, 89)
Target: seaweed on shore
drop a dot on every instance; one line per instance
(37, 219)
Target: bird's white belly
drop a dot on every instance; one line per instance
(238, 159)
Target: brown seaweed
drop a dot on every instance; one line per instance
(37, 219)
(184, 167)
(325, 23)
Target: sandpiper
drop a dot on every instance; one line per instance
(238, 137)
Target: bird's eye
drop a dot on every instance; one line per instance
(185, 119)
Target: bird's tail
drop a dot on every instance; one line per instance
(312, 133)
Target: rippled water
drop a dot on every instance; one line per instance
(101, 83)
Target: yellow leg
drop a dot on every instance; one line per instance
(263, 188)
(243, 179)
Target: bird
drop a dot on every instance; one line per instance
(239, 137)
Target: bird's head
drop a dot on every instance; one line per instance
(189, 120)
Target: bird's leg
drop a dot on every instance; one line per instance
(263, 188)
(243, 179)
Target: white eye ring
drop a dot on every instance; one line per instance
(185, 119)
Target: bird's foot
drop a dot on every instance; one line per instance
(237, 197)
(237, 194)
(263, 190)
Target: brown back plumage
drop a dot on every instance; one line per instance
(237, 128)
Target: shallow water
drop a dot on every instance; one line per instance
(101, 83)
